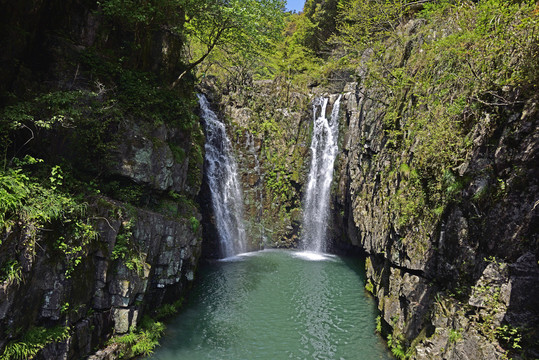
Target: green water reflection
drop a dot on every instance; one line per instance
(276, 305)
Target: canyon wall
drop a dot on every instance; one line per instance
(454, 288)
(446, 214)
(101, 169)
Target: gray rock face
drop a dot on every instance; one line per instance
(105, 294)
(469, 276)
(147, 156)
(141, 259)
(269, 127)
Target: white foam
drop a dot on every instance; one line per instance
(240, 257)
(313, 256)
(231, 258)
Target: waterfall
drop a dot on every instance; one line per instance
(324, 150)
(222, 175)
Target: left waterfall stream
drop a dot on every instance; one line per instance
(224, 184)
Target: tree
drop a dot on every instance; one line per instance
(241, 25)
(363, 21)
(323, 14)
(246, 25)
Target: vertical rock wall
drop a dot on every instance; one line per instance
(141, 259)
(148, 234)
(457, 289)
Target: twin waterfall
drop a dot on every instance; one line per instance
(224, 184)
(324, 149)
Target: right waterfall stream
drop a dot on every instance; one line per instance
(324, 149)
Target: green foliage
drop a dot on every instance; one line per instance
(195, 224)
(74, 248)
(123, 191)
(83, 118)
(64, 308)
(322, 15)
(246, 26)
(167, 310)
(397, 348)
(127, 251)
(178, 152)
(297, 59)
(25, 200)
(138, 93)
(455, 335)
(464, 73)
(135, 13)
(44, 111)
(451, 183)
(290, 53)
(141, 342)
(11, 273)
(369, 286)
(13, 192)
(363, 22)
(278, 181)
(509, 336)
(379, 324)
(33, 341)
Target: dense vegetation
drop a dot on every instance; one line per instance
(476, 59)
(473, 58)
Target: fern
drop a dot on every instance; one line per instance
(140, 342)
(33, 341)
(11, 273)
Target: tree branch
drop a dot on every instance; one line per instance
(211, 46)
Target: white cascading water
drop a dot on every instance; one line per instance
(224, 184)
(324, 149)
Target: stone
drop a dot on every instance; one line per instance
(146, 157)
(124, 319)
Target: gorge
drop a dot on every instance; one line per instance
(275, 304)
(431, 179)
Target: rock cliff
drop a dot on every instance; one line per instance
(457, 289)
(102, 166)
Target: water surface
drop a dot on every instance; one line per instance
(276, 305)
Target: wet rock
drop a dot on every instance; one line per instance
(482, 249)
(104, 295)
(147, 157)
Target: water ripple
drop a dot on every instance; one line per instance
(274, 305)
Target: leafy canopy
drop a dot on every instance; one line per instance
(247, 26)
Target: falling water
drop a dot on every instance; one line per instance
(324, 150)
(221, 170)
